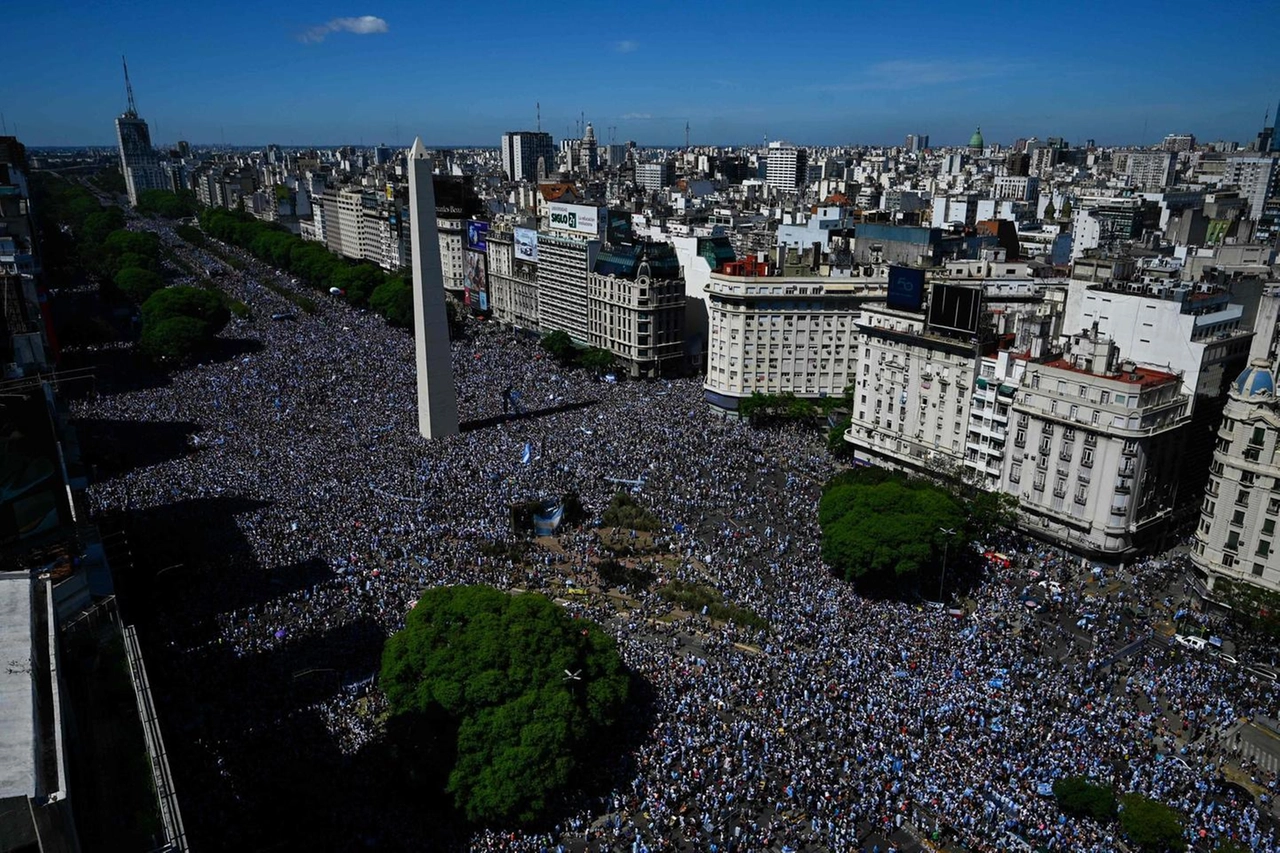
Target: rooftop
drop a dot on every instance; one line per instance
(1129, 373)
(17, 723)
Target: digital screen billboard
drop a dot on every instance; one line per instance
(619, 227)
(526, 245)
(578, 218)
(906, 288)
(476, 281)
(477, 235)
(955, 308)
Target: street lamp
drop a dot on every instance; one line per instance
(945, 542)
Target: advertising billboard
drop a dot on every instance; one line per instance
(475, 281)
(619, 227)
(955, 308)
(578, 218)
(526, 245)
(477, 235)
(906, 288)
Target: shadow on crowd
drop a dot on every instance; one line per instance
(506, 417)
(115, 447)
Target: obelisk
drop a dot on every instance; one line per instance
(437, 399)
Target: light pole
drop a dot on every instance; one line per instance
(945, 542)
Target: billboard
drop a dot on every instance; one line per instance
(956, 308)
(477, 235)
(475, 281)
(906, 288)
(578, 218)
(619, 228)
(526, 245)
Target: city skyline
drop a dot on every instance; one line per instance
(344, 74)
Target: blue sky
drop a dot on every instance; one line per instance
(815, 73)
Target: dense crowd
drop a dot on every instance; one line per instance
(847, 720)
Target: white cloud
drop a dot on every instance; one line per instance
(900, 75)
(635, 116)
(626, 47)
(361, 26)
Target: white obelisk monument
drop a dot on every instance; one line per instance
(437, 399)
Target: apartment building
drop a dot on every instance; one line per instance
(773, 334)
(635, 307)
(1097, 448)
(1236, 536)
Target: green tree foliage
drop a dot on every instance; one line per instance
(493, 667)
(623, 511)
(1079, 798)
(597, 359)
(1065, 213)
(882, 529)
(166, 204)
(1151, 826)
(138, 284)
(111, 180)
(559, 346)
(697, 598)
(99, 224)
(1254, 611)
(173, 339)
(207, 306)
(1049, 211)
(393, 299)
(836, 444)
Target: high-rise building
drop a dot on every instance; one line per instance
(656, 176)
(1152, 170)
(917, 142)
(1257, 176)
(1179, 142)
(138, 160)
(437, 398)
(635, 307)
(1236, 539)
(588, 152)
(787, 166)
(521, 151)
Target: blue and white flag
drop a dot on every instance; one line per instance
(527, 455)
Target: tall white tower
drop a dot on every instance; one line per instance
(437, 399)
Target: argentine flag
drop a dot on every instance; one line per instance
(528, 453)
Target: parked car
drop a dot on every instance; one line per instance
(1198, 644)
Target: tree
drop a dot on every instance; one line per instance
(101, 223)
(1151, 825)
(560, 346)
(173, 339)
(1255, 611)
(597, 359)
(525, 695)
(393, 299)
(207, 306)
(882, 529)
(1065, 213)
(138, 284)
(166, 204)
(836, 444)
(1050, 211)
(1079, 798)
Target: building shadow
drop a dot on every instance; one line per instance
(530, 414)
(226, 349)
(112, 447)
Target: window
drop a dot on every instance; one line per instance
(1264, 548)
(1015, 472)
(1082, 494)
(1020, 440)
(1258, 569)
(1258, 437)
(1269, 527)
(1074, 413)
(1104, 398)
(1038, 482)
(1237, 518)
(1228, 560)
(1233, 541)
(1086, 458)
(1121, 399)
(1242, 499)
(1062, 386)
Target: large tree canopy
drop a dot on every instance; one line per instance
(532, 693)
(882, 528)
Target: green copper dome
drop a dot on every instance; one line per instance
(975, 141)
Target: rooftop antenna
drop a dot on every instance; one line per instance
(132, 112)
(538, 105)
(686, 135)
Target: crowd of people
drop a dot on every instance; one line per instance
(843, 725)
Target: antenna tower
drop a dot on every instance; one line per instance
(128, 87)
(538, 104)
(686, 136)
